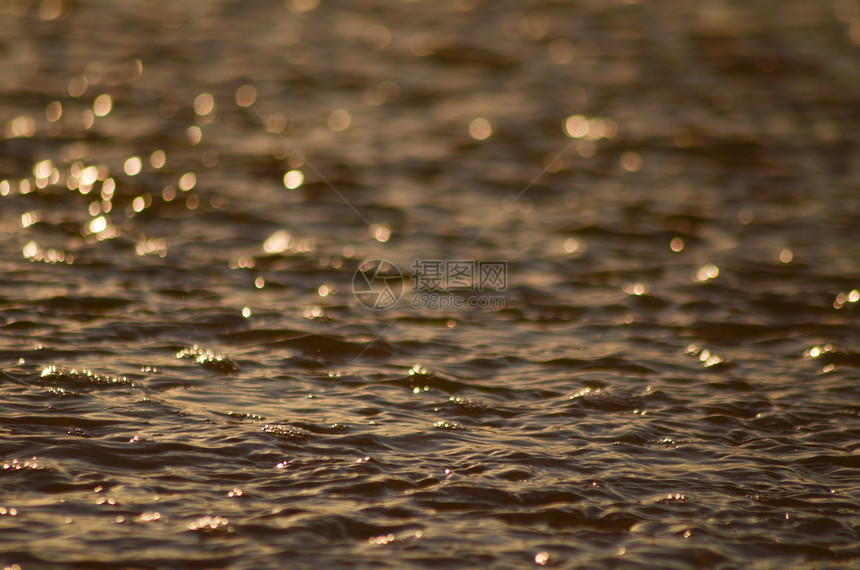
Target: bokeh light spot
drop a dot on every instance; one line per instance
(293, 179)
(246, 95)
(132, 166)
(339, 120)
(480, 129)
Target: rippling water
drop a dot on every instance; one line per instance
(188, 188)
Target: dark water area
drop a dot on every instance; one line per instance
(669, 375)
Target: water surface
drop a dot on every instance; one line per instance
(187, 190)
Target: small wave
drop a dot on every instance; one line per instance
(286, 432)
(209, 359)
(54, 373)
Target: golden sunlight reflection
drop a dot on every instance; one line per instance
(278, 242)
(381, 539)
(380, 232)
(54, 111)
(246, 95)
(480, 129)
(43, 169)
(187, 181)
(561, 51)
(574, 245)
(586, 148)
(576, 126)
(705, 356)
(101, 228)
(23, 126)
(194, 134)
(315, 312)
(511, 136)
(208, 523)
(146, 200)
(377, 36)
(843, 298)
(157, 159)
(33, 252)
(89, 119)
(77, 86)
(818, 350)
(707, 272)
(535, 26)
(52, 10)
(582, 393)
(204, 104)
(339, 120)
(132, 166)
(89, 175)
(596, 128)
(631, 161)
(102, 105)
(151, 246)
(417, 369)
(30, 250)
(636, 288)
(108, 187)
(276, 123)
(293, 179)
(97, 225)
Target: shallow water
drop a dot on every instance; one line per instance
(188, 188)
